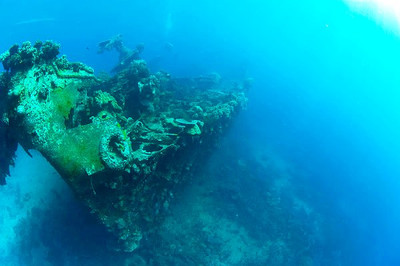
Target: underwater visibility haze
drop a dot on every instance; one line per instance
(200, 132)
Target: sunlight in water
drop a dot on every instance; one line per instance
(385, 12)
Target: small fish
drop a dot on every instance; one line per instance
(36, 20)
(169, 46)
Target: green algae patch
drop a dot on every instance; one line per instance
(64, 99)
(78, 152)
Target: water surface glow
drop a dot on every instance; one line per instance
(385, 12)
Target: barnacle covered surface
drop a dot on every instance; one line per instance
(124, 144)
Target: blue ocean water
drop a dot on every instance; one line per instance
(324, 102)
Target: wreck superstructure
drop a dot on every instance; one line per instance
(123, 144)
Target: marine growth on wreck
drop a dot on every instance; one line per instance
(124, 144)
